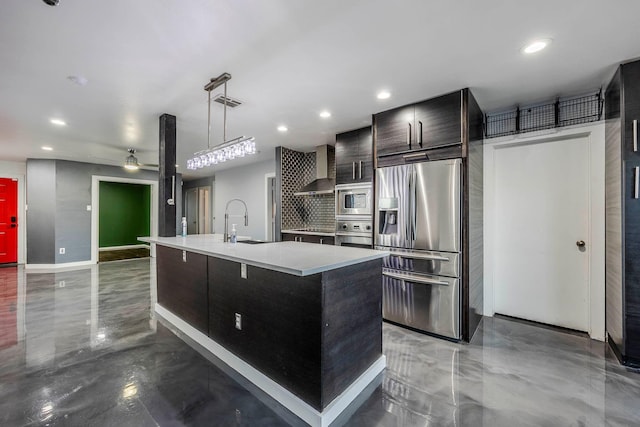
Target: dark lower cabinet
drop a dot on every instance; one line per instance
(622, 213)
(182, 285)
(308, 238)
(314, 335)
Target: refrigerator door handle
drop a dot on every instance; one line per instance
(418, 256)
(415, 279)
(407, 216)
(414, 213)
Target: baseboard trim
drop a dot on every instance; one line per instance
(290, 401)
(58, 266)
(120, 248)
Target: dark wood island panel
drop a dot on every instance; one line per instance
(314, 335)
(182, 285)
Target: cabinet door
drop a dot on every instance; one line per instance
(182, 285)
(347, 157)
(438, 121)
(288, 237)
(394, 130)
(631, 130)
(309, 238)
(365, 155)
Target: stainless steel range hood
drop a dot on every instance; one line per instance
(322, 184)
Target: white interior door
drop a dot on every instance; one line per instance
(542, 211)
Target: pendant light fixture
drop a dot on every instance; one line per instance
(228, 149)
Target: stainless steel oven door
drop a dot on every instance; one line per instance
(354, 241)
(353, 200)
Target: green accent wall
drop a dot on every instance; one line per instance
(124, 213)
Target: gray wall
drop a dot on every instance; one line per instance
(41, 211)
(60, 191)
(246, 183)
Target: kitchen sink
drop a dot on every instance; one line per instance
(252, 242)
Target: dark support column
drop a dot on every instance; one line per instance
(167, 171)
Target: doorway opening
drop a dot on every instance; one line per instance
(122, 209)
(124, 215)
(270, 208)
(197, 210)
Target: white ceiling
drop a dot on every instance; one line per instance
(289, 60)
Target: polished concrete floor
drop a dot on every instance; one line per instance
(82, 348)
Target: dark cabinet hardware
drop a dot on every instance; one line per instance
(580, 243)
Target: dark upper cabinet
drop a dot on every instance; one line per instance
(354, 162)
(630, 75)
(394, 130)
(438, 121)
(427, 125)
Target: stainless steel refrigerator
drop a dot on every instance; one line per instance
(417, 218)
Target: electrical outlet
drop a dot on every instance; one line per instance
(238, 321)
(243, 270)
(88, 207)
(61, 251)
(61, 284)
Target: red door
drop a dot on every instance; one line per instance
(8, 220)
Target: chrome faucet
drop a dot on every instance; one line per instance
(226, 217)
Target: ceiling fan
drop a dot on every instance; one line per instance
(132, 163)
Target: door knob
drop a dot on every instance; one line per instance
(580, 243)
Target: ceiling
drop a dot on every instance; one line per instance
(289, 60)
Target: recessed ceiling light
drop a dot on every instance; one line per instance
(536, 46)
(45, 148)
(283, 128)
(325, 114)
(58, 122)
(383, 94)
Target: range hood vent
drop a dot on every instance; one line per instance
(322, 184)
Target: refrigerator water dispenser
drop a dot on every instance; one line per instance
(388, 215)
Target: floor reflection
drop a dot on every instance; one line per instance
(8, 307)
(83, 347)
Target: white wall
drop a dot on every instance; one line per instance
(18, 170)
(246, 183)
(595, 134)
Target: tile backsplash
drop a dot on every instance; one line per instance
(299, 169)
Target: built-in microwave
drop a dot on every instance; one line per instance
(353, 199)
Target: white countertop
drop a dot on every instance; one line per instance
(299, 258)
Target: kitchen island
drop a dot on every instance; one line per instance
(301, 321)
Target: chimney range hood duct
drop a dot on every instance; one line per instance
(322, 184)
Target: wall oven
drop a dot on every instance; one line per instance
(353, 199)
(354, 232)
